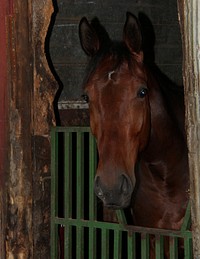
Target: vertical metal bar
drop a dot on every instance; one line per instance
(68, 193)
(131, 245)
(79, 175)
(121, 216)
(68, 175)
(79, 193)
(92, 171)
(187, 218)
(105, 243)
(117, 244)
(144, 246)
(92, 197)
(173, 247)
(79, 242)
(188, 248)
(159, 247)
(54, 193)
(92, 243)
(68, 241)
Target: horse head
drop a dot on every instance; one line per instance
(117, 92)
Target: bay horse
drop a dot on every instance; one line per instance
(138, 123)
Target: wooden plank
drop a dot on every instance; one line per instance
(42, 91)
(189, 13)
(19, 241)
(31, 90)
(54, 193)
(4, 11)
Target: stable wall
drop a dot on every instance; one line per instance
(68, 58)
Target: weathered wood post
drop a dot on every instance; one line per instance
(44, 90)
(19, 237)
(189, 17)
(32, 89)
(4, 12)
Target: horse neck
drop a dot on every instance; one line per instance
(167, 131)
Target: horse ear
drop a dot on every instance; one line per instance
(88, 38)
(132, 36)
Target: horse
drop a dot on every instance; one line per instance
(138, 123)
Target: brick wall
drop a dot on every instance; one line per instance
(69, 59)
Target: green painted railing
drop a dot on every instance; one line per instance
(77, 228)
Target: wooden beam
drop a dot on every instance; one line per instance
(32, 90)
(19, 241)
(44, 90)
(4, 12)
(189, 17)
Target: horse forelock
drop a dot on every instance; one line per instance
(116, 54)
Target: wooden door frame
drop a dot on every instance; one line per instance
(189, 13)
(26, 115)
(5, 11)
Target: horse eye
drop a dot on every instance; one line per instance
(142, 92)
(85, 98)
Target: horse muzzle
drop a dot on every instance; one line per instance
(117, 196)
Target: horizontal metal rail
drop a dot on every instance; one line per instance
(120, 227)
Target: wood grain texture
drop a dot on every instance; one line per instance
(189, 13)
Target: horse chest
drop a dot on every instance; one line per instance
(156, 203)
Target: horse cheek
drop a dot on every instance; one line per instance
(145, 128)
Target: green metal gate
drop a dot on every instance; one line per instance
(77, 228)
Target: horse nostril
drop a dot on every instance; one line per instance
(100, 193)
(116, 194)
(97, 188)
(125, 185)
